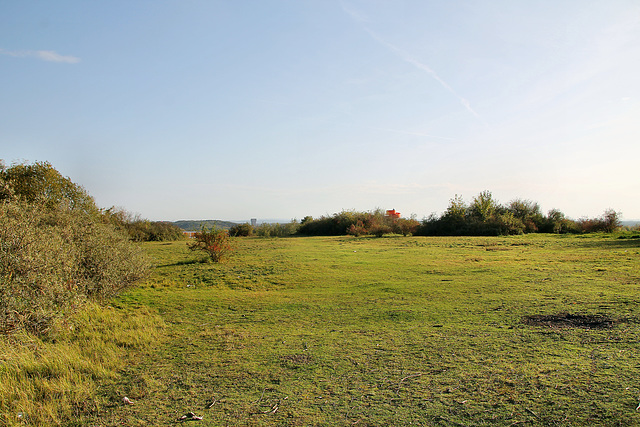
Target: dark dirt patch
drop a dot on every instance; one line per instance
(567, 320)
(295, 360)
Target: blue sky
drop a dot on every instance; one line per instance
(236, 109)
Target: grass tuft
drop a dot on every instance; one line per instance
(52, 380)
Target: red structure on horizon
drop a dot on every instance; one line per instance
(393, 214)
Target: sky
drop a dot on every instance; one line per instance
(238, 109)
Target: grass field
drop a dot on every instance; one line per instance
(390, 331)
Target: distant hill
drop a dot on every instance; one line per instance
(630, 223)
(195, 225)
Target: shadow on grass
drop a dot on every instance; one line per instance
(186, 262)
(622, 242)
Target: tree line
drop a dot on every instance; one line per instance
(487, 217)
(483, 216)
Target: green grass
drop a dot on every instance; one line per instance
(391, 331)
(56, 379)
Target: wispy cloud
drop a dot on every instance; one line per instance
(44, 55)
(405, 56)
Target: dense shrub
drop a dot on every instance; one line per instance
(323, 226)
(608, 222)
(556, 222)
(51, 261)
(41, 184)
(142, 230)
(377, 224)
(241, 230)
(486, 217)
(277, 229)
(357, 229)
(355, 223)
(56, 252)
(337, 224)
(405, 226)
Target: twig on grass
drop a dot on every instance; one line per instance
(531, 412)
(273, 409)
(261, 396)
(190, 416)
(411, 376)
(419, 374)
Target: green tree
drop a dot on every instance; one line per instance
(457, 209)
(557, 222)
(241, 230)
(405, 226)
(483, 206)
(528, 212)
(41, 183)
(610, 221)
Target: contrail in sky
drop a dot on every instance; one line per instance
(408, 58)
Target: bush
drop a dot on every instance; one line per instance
(345, 222)
(528, 212)
(241, 230)
(358, 229)
(608, 222)
(484, 217)
(406, 227)
(56, 250)
(277, 229)
(213, 241)
(484, 207)
(556, 222)
(52, 261)
(142, 230)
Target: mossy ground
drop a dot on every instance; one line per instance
(390, 331)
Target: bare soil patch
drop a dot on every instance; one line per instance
(568, 320)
